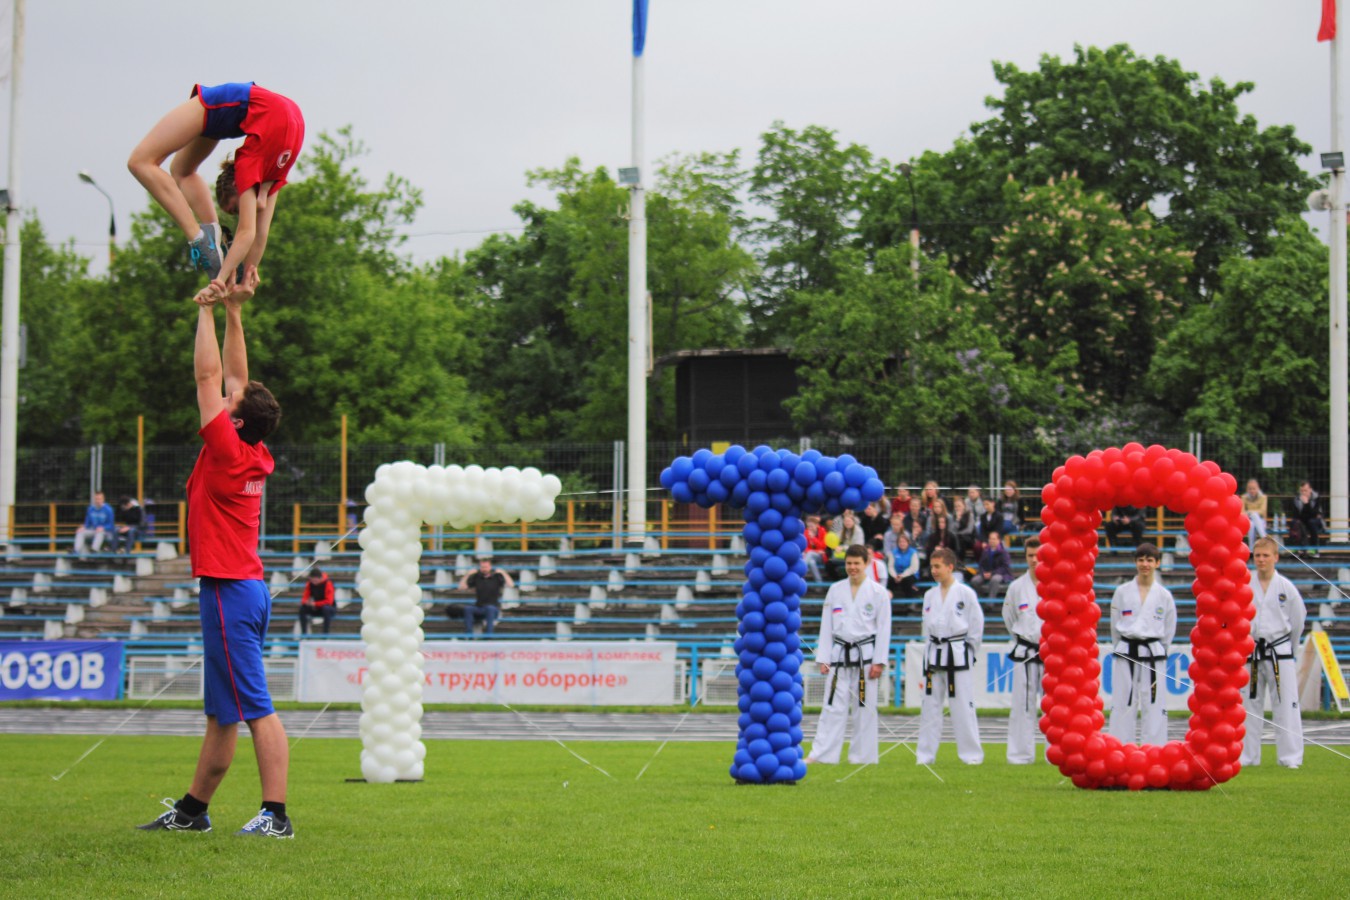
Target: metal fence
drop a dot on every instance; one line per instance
(312, 473)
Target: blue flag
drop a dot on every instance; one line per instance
(639, 26)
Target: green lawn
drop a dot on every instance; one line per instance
(527, 819)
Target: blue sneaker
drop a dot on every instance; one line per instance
(264, 824)
(208, 251)
(177, 820)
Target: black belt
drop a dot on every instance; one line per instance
(1033, 646)
(1266, 649)
(852, 660)
(950, 666)
(1132, 656)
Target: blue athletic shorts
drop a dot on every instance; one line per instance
(234, 615)
(226, 106)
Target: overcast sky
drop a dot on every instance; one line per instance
(463, 96)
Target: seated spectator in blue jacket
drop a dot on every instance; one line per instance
(995, 567)
(97, 528)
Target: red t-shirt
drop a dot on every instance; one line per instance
(225, 502)
(274, 130)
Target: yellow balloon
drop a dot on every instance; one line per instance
(831, 540)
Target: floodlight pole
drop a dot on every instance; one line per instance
(9, 314)
(637, 326)
(1339, 488)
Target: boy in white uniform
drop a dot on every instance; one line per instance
(1019, 614)
(953, 626)
(1278, 625)
(855, 642)
(1143, 624)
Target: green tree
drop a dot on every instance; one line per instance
(1072, 271)
(1145, 132)
(812, 185)
(551, 305)
(53, 286)
(1254, 360)
(883, 354)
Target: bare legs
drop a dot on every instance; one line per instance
(183, 193)
(269, 744)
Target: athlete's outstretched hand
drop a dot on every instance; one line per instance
(239, 293)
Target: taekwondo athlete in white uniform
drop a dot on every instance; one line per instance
(1143, 624)
(1024, 625)
(953, 626)
(855, 642)
(1280, 614)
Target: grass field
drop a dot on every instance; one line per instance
(527, 819)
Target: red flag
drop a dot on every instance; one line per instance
(1327, 31)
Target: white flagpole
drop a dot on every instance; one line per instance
(637, 326)
(1339, 489)
(9, 315)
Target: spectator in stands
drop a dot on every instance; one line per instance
(1256, 505)
(1306, 525)
(847, 532)
(1123, 519)
(1143, 624)
(900, 502)
(855, 642)
(816, 550)
(224, 507)
(98, 526)
(953, 627)
(1276, 629)
(995, 567)
(974, 500)
(942, 536)
(130, 521)
(1010, 508)
(916, 522)
(317, 600)
(876, 565)
(873, 522)
(966, 528)
(1024, 627)
(148, 529)
(930, 495)
(487, 584)
(902, 563)
(353, 515)
(990, 521)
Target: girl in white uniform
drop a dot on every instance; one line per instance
(1278, 625)
(1019, 614)
(953, 626)
(1143, 623)
(855, 642)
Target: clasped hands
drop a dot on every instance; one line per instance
(230, 292)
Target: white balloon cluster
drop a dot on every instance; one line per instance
(402, 497)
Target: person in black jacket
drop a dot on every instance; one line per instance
(130, 520)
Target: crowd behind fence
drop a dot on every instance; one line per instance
(312, 473)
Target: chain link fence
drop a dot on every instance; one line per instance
(312, 473)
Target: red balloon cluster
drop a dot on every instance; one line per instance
(1221, 639)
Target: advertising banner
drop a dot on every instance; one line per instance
(60, 670)
(597, 673)
(994, 675)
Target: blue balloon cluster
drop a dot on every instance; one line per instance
(773, 488)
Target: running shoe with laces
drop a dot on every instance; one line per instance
(208, 251)
(264, 824)
(177, 820)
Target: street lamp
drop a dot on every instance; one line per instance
(908, 171)
(112, 217)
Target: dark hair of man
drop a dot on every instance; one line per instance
(1031, 543)
(259, 410)
(1147, 549)
(856, 551)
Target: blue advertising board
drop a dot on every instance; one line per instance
(60, 670)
